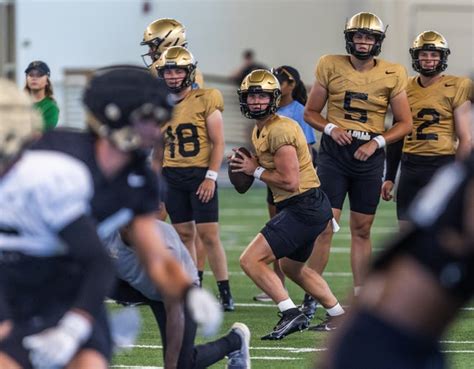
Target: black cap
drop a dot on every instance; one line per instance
(116, 94)
(40, 66)
(286, 73)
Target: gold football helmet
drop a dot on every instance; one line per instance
(366, 23)
(177, 57)
(20, 123)
(161, 34)
(259, 81)
(431, 41)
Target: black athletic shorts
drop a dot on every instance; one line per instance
(369, 342)
(341, 174)
(38, 292)
(300, 220)
(182, 203)
(415, 173)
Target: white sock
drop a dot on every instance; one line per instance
(357, 290)
(336, 310)
(286, 305)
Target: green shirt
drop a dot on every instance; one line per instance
(50, 112)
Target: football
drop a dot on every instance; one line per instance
(241, 181)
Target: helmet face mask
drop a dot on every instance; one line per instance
(169, 67)
(368, 24)
(430, 41)
(259, 84)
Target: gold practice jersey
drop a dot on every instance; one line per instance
(432, 109)
(187, 143)
(359, 100)
(277, 132)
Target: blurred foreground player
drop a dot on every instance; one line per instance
(418, 285)
(125, 108)
(55, 272)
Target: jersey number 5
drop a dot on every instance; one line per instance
(434, 120)
(361, 115)
(186, 133)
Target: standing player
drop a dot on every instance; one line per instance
(125, 108)
(283, 162)
(357, 89)
(158, 36)
(193, 152)
(55, 272)
(441, 122)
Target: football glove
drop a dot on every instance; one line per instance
(204, 309)
(54, 347)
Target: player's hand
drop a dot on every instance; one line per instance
(341, 136)
(206, 190)
(204, 309)
(366, 150)
(387, 189)
(246, 164)
(56, 346)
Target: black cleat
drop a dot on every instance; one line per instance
(227, 302)
(308, 306)
(329, 324)
(291, 321)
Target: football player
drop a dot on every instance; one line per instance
(55, 272)
(161, 34)
(418, 285)
(158, 36)
(177, 334)
(125, 108)
(293, 99)
(283, 162)
(357, 89)
(193, 152)
(441, 122)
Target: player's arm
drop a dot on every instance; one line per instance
(169, 276)
(57, 345)
(162, 267)
(402, 126)
(312, 115)
(462, 124)
(284, 176)
(394, 154)
(402, 119)
(215, 132)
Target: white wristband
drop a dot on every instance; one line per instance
(380, 141)
(258, 172)
(328, 128)
(210, 174)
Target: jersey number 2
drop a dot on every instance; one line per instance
(435, 120)
(362, 113)
(190, 138)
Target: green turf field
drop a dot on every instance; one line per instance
(242, 216)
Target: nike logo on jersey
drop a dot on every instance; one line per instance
(388, 72)
(196, 96)
(135, 180)
(448, 84)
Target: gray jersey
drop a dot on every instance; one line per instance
(40, 195)
(130, 269)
